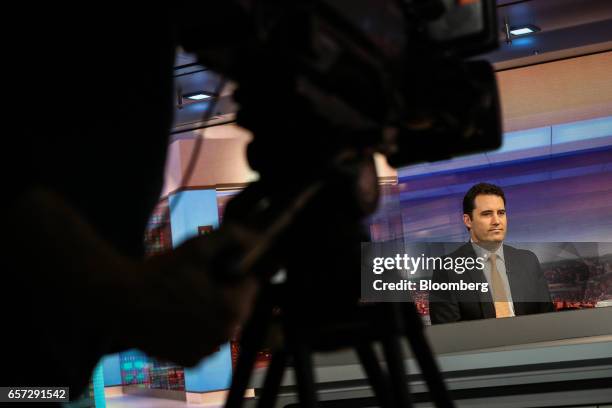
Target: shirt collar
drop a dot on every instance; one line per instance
(483, 253)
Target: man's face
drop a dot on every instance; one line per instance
(488, 221)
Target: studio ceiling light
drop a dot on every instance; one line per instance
(198, 96)
(519, 31)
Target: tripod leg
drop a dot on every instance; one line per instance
(251, 341)
(379, 380)
(274, 376)
(304, 375)
(429, 367)
(397, 370)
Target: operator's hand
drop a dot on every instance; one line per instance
(189, 309)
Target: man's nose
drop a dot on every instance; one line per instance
(496, 219)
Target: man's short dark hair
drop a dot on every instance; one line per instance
(480, 189)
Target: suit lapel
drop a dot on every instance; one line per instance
(513, 270)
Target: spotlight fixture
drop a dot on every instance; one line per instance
(198, 96)
(519, 31)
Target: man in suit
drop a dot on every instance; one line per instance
(516, 284)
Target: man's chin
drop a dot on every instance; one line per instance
(497, 236)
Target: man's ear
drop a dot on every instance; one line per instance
(467, 221)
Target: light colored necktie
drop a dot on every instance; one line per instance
(500, 297)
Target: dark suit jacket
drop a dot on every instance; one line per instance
(528, 288)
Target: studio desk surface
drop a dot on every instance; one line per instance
(561, 359)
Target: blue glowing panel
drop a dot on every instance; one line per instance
(112, 370)
(199, 107)
(190, 210)
(525, 139)
(586, 129)
(523, 144)
(212, 374)
(523, 41)
(447, 165)
(582, 135)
